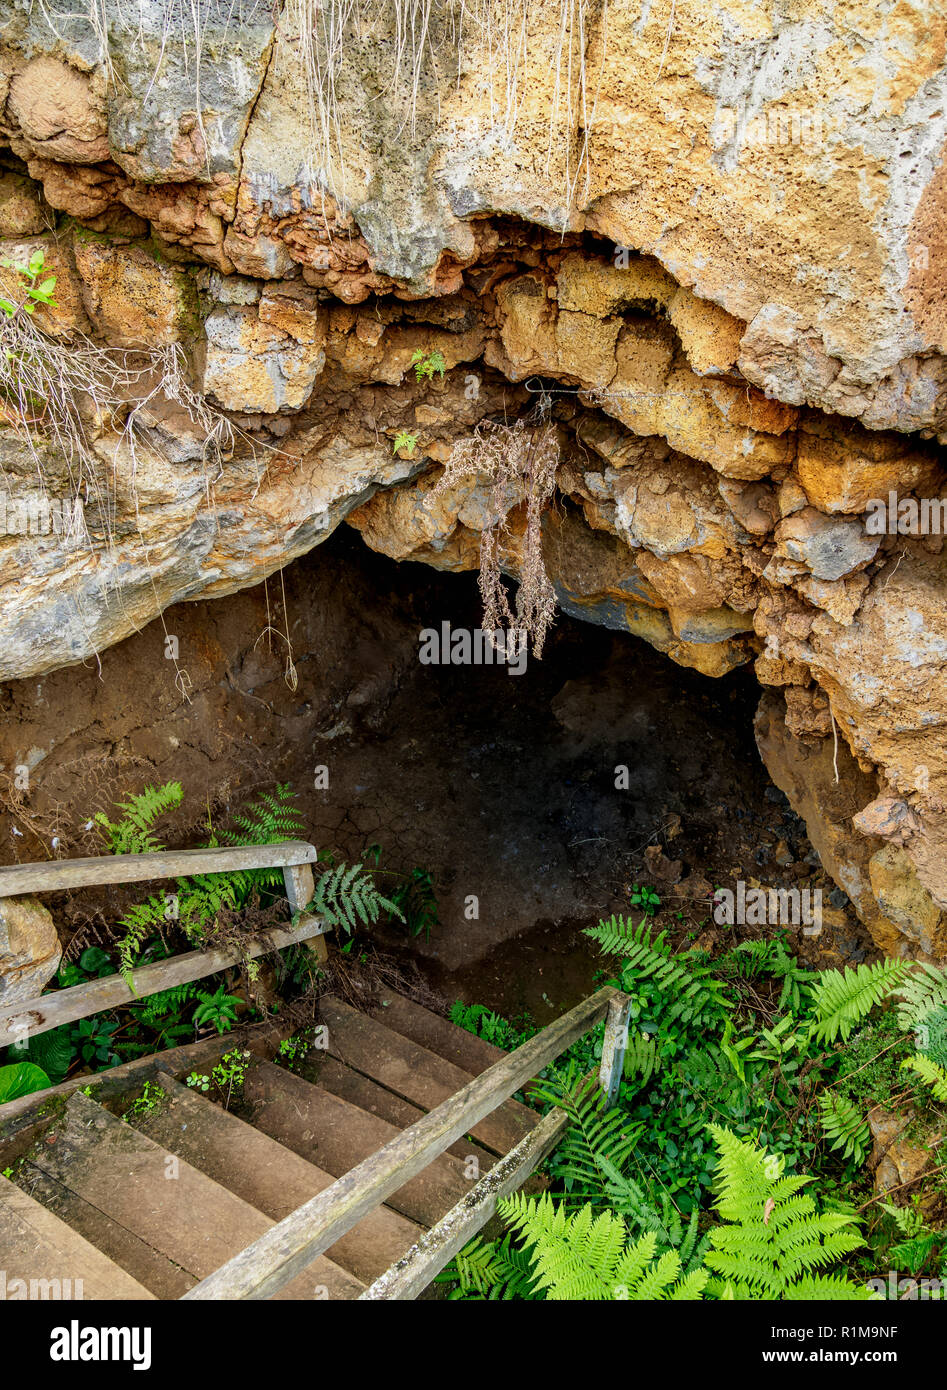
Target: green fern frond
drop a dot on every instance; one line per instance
(826, 1288)
(931, 1035)
(772, 1236)
(923, 992)
(131, 834)
(139, 923)
(490, 1271)
(585, 1256)
(845, 1127)
(616, 937)
(749, 959)
(155, 1007)
(596, 1133)
(930, 1072)
(689, 983)
(841, 1000)
(347, 895)
(272, 817)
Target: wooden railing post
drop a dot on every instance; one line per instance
(613, 1047)
(300, 887)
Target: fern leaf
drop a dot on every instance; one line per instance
(930, 1072)
(922, 992)
(845, 1127)
(131, 834)
(772, 1236)
(590, 1257)
(841, 1000)
(689, 983)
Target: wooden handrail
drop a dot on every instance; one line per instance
(57, 874)
(27, 1017)
(272, 1261)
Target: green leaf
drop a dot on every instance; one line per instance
(21, 1079)
(95, 961)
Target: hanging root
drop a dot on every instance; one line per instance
(520, 462)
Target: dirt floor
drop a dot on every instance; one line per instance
(503, 787)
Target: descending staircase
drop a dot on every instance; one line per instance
(147, 1208)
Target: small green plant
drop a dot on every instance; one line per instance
(404, 439)
(644, 899)
(93, 1040)
(291, 1051)
(33, 289)
(218, 1009)
(151, 1098)
(228, 1075)
(484, 1023)
(427, 365)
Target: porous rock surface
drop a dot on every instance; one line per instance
(740, 337)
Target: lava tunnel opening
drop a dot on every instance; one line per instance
(526, 799)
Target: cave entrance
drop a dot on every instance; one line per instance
(536, 801)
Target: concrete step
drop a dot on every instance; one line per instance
(330, 1132)
(437, 1034)
(267, 1175)
(51, 1258)
(176, 1213)
(333, 1075)
(414, 1072)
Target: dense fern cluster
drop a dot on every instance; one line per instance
(740, 1075)
(345, 895)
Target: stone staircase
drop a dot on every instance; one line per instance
(149, 1207)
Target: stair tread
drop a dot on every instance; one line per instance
(362, 1091)
(162, 1200)
(270, 1177)
(437, 1034)
(36, 1245)
(152, 1268)
(337, 1136)
(414, 1072)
